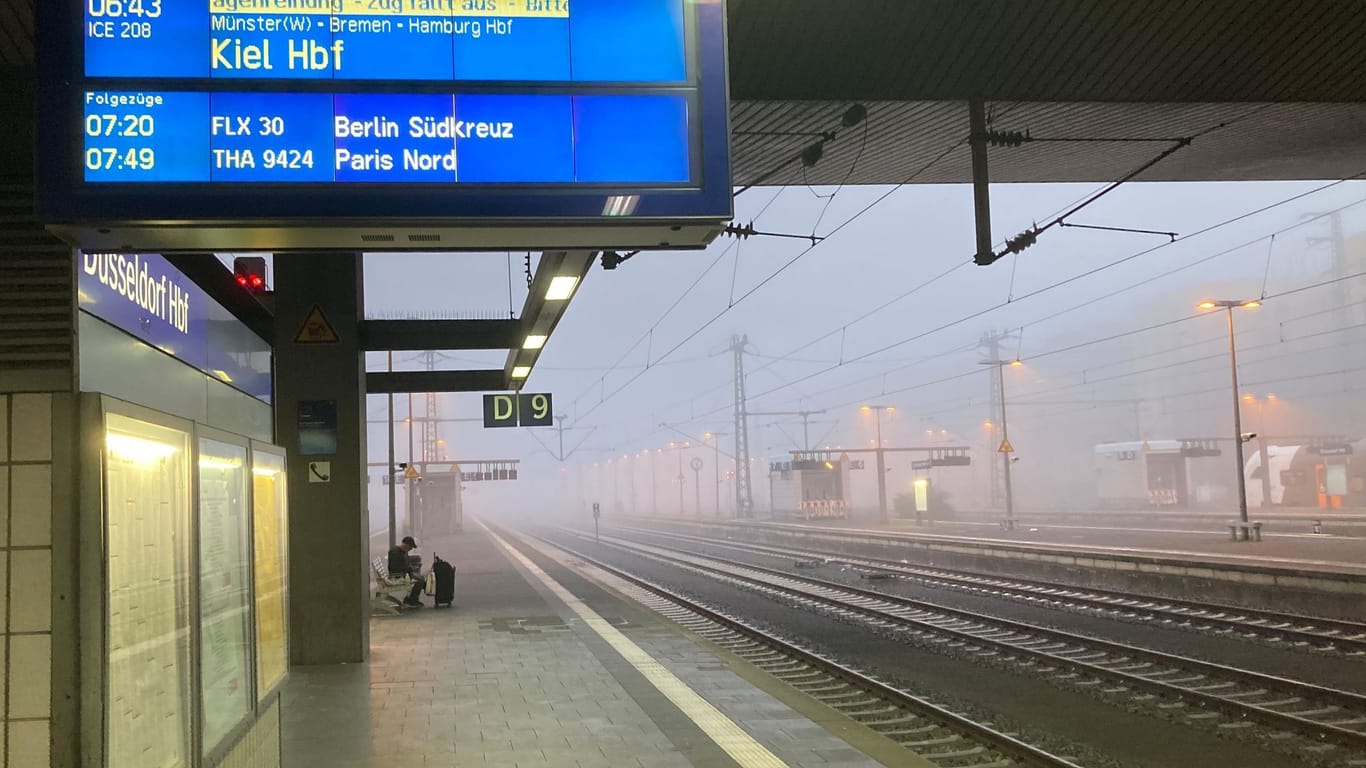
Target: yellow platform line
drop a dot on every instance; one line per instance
(742, 747)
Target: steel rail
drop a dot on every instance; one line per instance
(1310, 629)
(1003, 743)
(1231, 706)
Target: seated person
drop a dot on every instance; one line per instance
(398, 566)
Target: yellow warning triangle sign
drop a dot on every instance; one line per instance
(411, 473)
(316, 329)
(1006, 447)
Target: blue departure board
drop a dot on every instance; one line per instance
(156, 136)
(622, 41)
(215, 110)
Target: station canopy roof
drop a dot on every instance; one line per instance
(1284, 79)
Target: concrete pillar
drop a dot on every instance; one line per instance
(328, 521)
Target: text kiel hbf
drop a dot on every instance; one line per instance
(307, 54)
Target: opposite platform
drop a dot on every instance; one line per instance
(539, 666)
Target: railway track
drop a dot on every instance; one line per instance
(1323, 719)
(1319, 634)
(934, 732)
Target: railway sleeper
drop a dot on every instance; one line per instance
(1219, 686)
(957, 754)
(885, 709)
(1316, 712)
(1003, 762)
(759, 657)
(1278, 702)
(788, 666)
(822, 690)
(1042, 644)
(837, 694)
(1243, 694)
(949, 738)
(1092, 656)
(1181, 681)
(904, 718)
(1130, 667)
(906, 733)
(845, 706)
(809, 676)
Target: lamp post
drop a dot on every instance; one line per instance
(654, 482)
(696, 465)
(630, 461)
(616, 484)
(1264, 457)
(881, 461)
(715, 438)
(679, 448)
(1006, 448)
(1228, 307)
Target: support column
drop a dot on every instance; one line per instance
(329, 570)
(981, 181)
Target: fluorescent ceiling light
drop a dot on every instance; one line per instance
(561, 288)
(215, 462)
(136, 449)
(534, 341)
(222, 374)
(521, 372)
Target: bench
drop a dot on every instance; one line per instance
(389, 590)
(1240, 531)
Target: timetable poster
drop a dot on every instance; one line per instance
(619, 41)
(224, 590)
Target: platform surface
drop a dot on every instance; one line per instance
(1301, 551)
(1341, 552)
(537, 666)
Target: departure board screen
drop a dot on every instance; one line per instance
(190, 110)
(621, 41)
(152, 136)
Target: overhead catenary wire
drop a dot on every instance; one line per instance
(843, 225)
(1096, 270)
(1030, 397)
(688, 291)
(1074, 278)
(974, 315)
(1067, 211)
(1073, 347)
(1106, 339)
(787, 383)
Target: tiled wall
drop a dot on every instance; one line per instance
(26, 578)
(260, 747)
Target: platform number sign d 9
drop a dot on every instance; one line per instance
(512, 410)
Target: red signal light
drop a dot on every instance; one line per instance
(250, 273)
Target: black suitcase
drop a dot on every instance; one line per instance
(445, 581)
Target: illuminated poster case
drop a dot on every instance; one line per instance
(188, 640)
(277, 124)
(270, 527)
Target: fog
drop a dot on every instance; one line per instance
(888, 310)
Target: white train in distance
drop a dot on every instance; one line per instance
(1194, 473)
